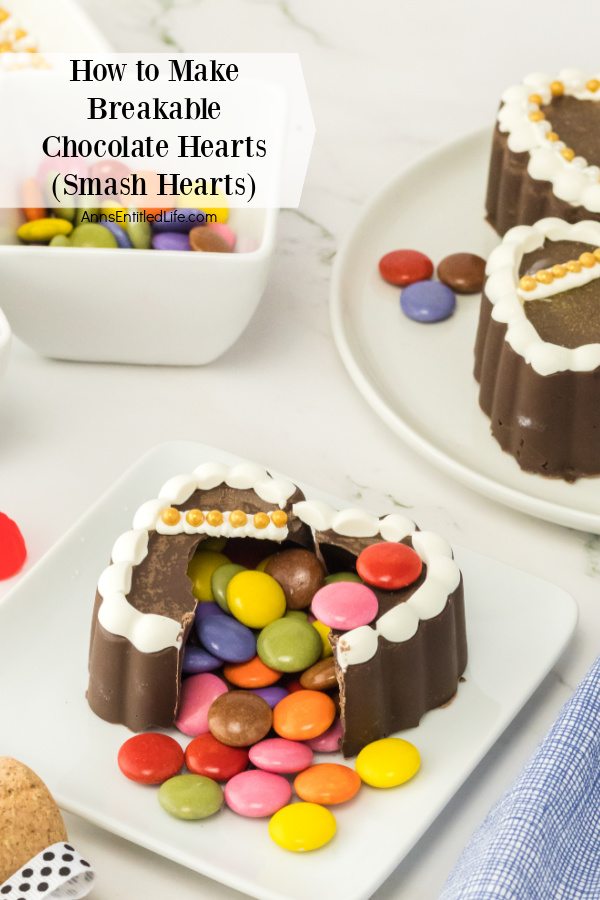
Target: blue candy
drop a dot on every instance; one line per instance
(170, 240)
(427, 301)
(179, 220)
(118, 233)
(272, 695)
(196, 660)
(226, 638)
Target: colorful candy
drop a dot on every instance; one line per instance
(251, 674)
(150, 758)
(201, 569)
(41, 231)
(170, 240)
(240, 718)
(327, 783)
(271, 695)
(342, 576)
(320, 677)
(323, 631)
(197, 695)
(300, 573)
(180, 220)
(303, 715)
(226, 638)
(220, 579)
(197, 660)
(388, 762)
(463, 272)
(289, 645)
(301, 827)
(403, 267)
(427, 301)
(279, 755)
(205, 755)
(206, 241)
(257, 794)
(13, 551)
(330, 741)
(255, 599)
(225, 232)
(389, 566)
(190, 797)
(344, 605)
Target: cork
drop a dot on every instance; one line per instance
(30, 820)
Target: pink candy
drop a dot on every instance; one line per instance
(344, 605)
(225, 232)
(256, 794)
(330, 741)
(280, 755)
(197, 694)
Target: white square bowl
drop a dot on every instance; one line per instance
(126, 306)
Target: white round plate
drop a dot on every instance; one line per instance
(419, 378)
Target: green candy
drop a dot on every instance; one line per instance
(342, 576)
(219, 581)
(289, 645)
(60, 240)
(140, 234)
(93, 236)
(190, 797)
(296, 614)
(65, 212)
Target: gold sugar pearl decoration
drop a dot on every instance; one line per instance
(559, 271)
(568, 154)
(557, 88)
(214, 518)
(527, 283)
(194, 517)
(544, 276)
(279, 518)
(537, 115)
(238, 518)
(261, 520)
(596, 253)
(536, 99)
(573, 265)
(4, 15)
(592, 85)
(552, 136)
(170, 516)
(588, 260)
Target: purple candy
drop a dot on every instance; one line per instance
(427, 301)
(118, 233)
(204, 610)
(272, 695)
(226, 638)
(179, 220)
(171, 240)
(196, 660)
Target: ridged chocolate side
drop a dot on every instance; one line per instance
(394, 689)
(515, 198)
(141, 690)
(549, 423)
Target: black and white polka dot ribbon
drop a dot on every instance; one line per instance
(59, 872)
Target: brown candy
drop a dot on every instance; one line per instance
(239, 718)
(207, 240)
(320, 677)
(299, 573)
(463, 272)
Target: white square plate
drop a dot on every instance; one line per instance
(517, 626)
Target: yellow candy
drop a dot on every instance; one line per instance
(200, 570)
(300, 827)
(41, 231)
(255, 599)
(221, 213)
(118, 212)
(323, 632)
(388, 763)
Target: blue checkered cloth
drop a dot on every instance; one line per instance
(542, 840)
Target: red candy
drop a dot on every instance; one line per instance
(13, 552)
(389, 566)
(402, 267)
(205, 755)
(150, 758)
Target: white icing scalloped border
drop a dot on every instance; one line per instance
(400, 623)
(501, 288)
(151, 633)
(575, 181)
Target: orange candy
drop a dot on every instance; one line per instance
(251, 674)
(303, 715)
(327, 783)
(33, 201)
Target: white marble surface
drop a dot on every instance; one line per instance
(387, 81)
